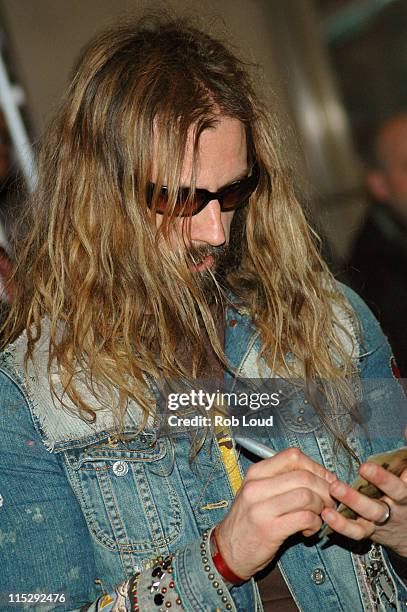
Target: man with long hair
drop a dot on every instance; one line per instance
(164, 244)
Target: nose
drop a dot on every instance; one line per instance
(207, 226)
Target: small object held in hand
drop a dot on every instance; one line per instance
(257, 448)
(394, 461)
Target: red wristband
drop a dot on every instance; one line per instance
(220, 563)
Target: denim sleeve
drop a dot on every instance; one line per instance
(202, 586)
(191, 583)
(376, 353)
(46, 547)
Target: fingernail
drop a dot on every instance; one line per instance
(369, 469)
(339, 488)
(328, 515)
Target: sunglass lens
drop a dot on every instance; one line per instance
(184, 205)
(236, 195)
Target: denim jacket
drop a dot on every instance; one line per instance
(81, 512)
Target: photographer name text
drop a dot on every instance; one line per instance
(219, 421)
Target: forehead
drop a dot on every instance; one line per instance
(221, 153)
(224, 144)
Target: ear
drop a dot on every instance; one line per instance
(377, 185)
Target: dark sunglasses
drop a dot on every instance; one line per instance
(229, 198)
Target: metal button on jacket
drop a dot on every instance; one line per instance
(120, 468)
(318, 576)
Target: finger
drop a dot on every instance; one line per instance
(387, 482)
(294, 501)
(304, 521)
(359, 529)
(281, 527)
(288, 460)
(403, 476)
(370, 509)
(266, 488)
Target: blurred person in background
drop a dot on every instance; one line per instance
(164, 241)
(377, 268)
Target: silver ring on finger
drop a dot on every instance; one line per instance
(387, 515)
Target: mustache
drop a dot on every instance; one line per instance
(198, 252)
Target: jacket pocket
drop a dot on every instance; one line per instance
(127, 495)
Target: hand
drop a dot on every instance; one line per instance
(371, 511)
(280, 496)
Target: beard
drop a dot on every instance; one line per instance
(208, 279)
(226, 259)
(213, 277)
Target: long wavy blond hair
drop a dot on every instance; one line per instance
(117, 297)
